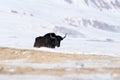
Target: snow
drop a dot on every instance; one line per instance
(64, 77)
(28, 77)
(68, 65)
(22, 21)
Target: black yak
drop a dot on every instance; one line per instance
(50, 40)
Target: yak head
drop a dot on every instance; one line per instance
(58, 40)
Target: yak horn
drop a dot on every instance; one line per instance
(52, 36)
(65, 36)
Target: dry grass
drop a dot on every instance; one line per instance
(44, 56)
(34, 56)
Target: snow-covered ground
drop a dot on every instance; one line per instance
(65, 77)
(92, 26)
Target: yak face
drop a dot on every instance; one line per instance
(58, 40)
(55, 40)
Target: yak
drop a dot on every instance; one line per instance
(50, 40)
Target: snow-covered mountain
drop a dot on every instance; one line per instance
(92, 25)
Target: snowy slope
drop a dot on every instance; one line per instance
(92, 25)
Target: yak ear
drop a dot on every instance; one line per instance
(65, 36)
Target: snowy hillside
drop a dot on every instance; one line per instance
(92, 25)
